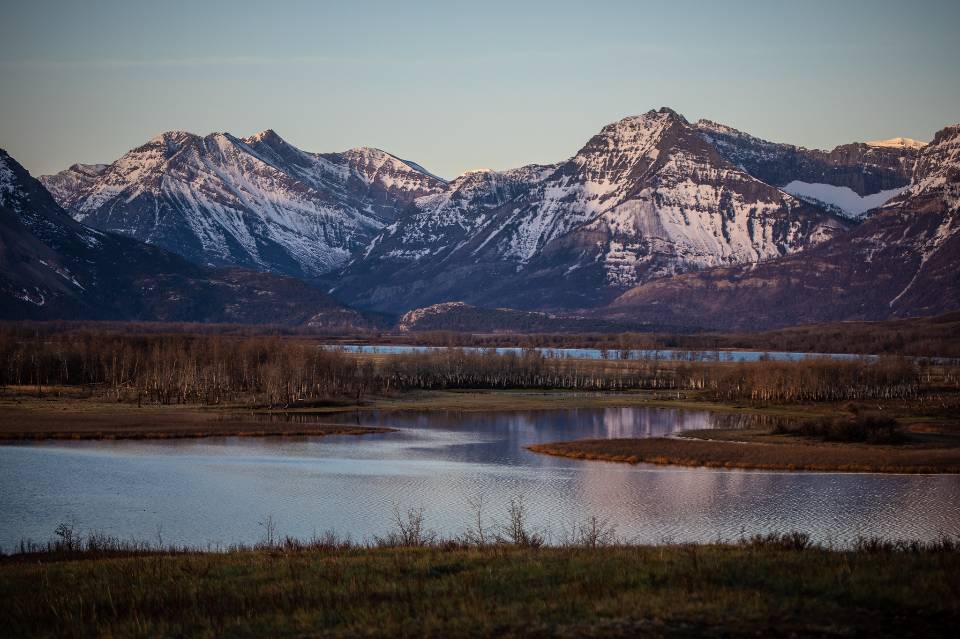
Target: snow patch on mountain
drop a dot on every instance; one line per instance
(843, 198)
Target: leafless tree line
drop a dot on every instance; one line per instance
(274, 371)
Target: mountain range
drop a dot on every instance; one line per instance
(655, 221)
(53, 267)
(903, 261)
(255, 202)
(645, 198)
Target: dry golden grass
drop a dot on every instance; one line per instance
(498, 591)
(66, 414)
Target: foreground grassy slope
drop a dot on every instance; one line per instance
(494, 591)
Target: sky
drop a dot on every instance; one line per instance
(457, 86)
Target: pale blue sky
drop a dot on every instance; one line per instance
(456, 86)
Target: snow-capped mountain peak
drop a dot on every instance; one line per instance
(718, 128)
(257, 201)
(267, 134)
(898, 143)
(374, 165)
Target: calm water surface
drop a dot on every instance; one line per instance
(596, 353)
(217, 491)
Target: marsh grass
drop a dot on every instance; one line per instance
(423, 585)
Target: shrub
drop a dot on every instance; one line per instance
(864, 428)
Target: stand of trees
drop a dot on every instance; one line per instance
(284, 371)
(923, 337)
(937, 337)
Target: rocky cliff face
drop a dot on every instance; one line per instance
(880, 169)
(256, 202)
(647, 197)
(53, 267)
(903, 261)
(460, 317)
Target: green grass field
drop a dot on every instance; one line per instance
(672, 591)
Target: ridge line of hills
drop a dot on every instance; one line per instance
(655, 221)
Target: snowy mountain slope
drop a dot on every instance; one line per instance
(72, 180)
(53, 267)
(903, 261)
(440, 224)
(870, 170)
(257, 202)
(644, 198)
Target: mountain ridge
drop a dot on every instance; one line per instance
(648, 198)
(255, 202)
(901, 262)
(645, 197)
(54, 267)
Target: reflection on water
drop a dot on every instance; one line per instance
(215, 491)
(596, 353)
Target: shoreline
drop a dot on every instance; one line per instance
(65, 414)
(323, 430)
(693, 452)
(72, 418)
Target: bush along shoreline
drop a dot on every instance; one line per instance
(408, 529)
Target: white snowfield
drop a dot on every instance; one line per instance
(843, 197)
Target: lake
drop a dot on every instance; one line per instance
(596, 353)
(213, 492)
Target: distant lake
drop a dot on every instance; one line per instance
(596, 353)
(217, 491)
